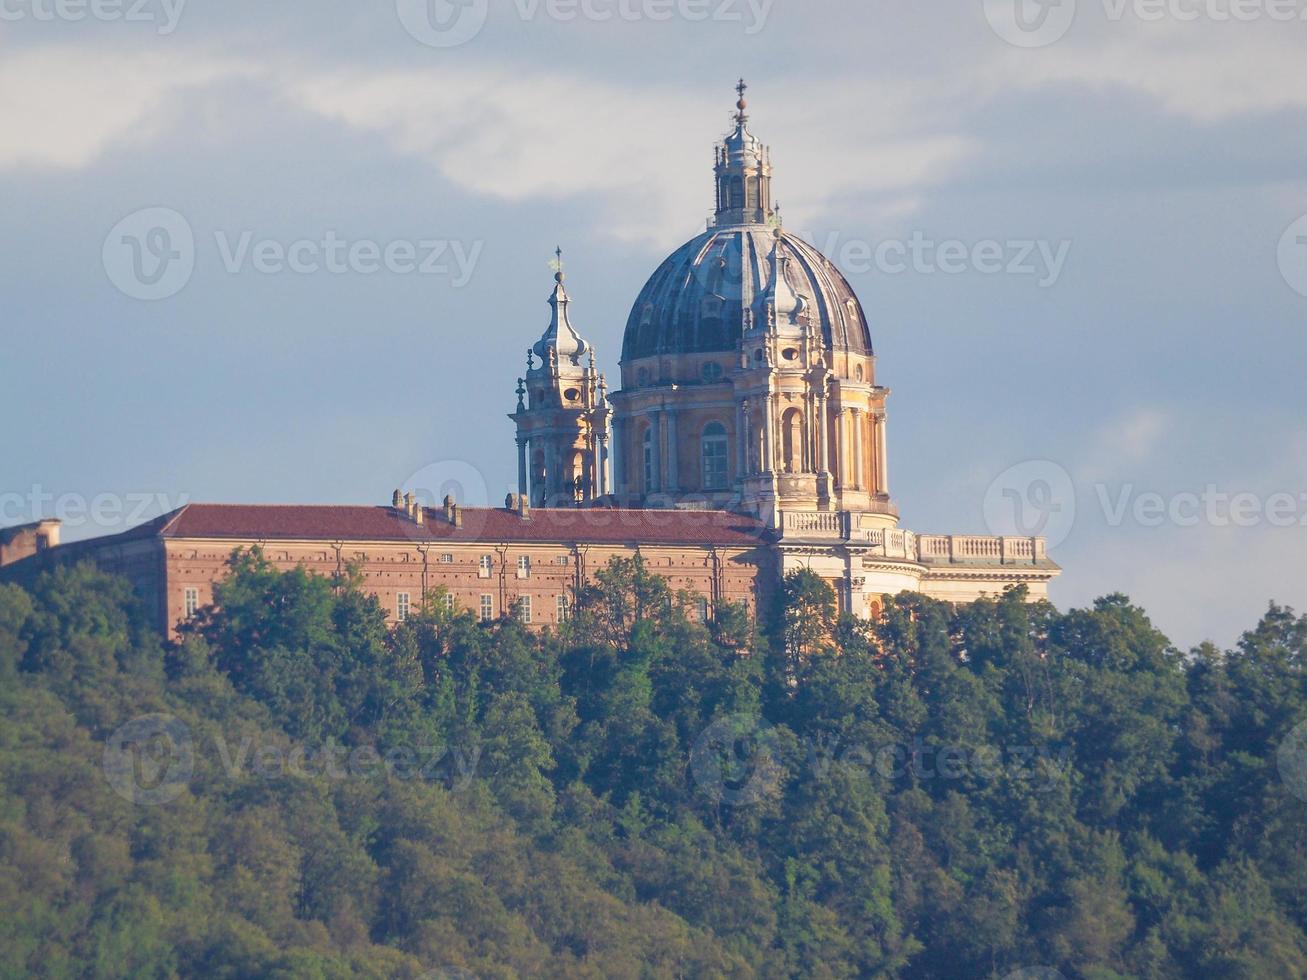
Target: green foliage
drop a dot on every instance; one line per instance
(949, 792)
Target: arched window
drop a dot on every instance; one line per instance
(737, 193)
(793, 442)
(716, 473)
(648, 460)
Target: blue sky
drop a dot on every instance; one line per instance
(1159, 365)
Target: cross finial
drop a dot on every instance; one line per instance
(557, 264)
(743, 104)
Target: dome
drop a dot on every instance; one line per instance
(701, 298)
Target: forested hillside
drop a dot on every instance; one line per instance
(295, 791)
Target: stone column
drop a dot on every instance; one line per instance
(656, 445)
(522, 487)
(602, 474)
(673, 455)
(769, 436)
(823, 448)
(857, 449)
(618, 447)
(881, 454)
(741, 442)
(842, 436)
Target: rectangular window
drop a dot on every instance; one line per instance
(703, 610)
(486, 565)
(192, 601)
(446, 559)
(562, 560)
(562, 608)
(449, 602)
(487, 608)
(401, 606)
(524, 610)
(523, 566)
(715, 473)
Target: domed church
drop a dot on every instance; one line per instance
(748, 384)
(747, 438)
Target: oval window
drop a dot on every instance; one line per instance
(790, 354)
(571, 394)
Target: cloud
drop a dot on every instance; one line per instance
(1121, 444)
(511, 135)
(1208, 73)
(64, 106)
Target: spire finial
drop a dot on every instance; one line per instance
(557, 264)
(743, 104)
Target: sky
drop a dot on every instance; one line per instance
(289, 253)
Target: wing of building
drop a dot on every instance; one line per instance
(748, 438)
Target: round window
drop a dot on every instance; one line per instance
(790, 354)
(571, 394)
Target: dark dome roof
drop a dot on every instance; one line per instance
(696, 301)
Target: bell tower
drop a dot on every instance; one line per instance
(562, 413)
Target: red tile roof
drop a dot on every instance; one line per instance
(257, 522)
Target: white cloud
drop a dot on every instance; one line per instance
(64, 106)
(1207, 73)
(499, 133)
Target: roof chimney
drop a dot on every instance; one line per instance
(397, 501)
(409, 504)
(523, 507)
(450, 507)
(458, 516)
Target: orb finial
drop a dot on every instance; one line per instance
(557, 264)
(743, 104)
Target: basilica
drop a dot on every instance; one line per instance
(747, 438)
